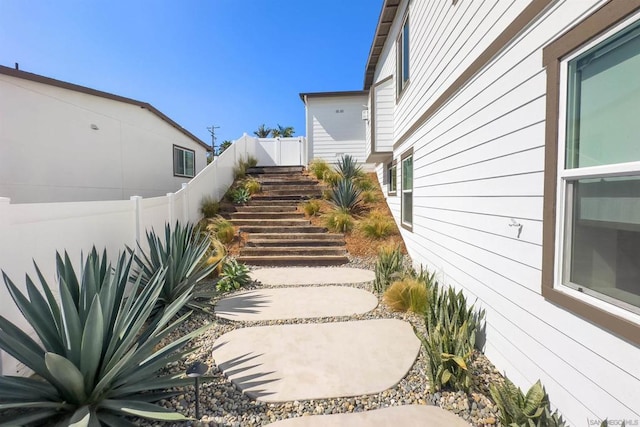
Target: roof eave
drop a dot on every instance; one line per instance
(387, 15)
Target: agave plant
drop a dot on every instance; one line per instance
(240, 196)
(346, 196)
(348, 167)
(234, 275)
(181, 254)
(94, 360)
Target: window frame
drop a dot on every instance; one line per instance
(404, 157)
(177, 149)
(602, 24)
(392, 178)
(403, 57)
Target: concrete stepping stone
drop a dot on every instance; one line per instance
(318, 360)
(295, 303)
(292, 276)
(404, 416)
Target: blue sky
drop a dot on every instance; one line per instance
(232, 63)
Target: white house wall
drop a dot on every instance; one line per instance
(478, 168)
(336, 127)
(49, 152)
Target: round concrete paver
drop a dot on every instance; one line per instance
(404, 416)
(295, 303)
(298, 276)
(317, 360)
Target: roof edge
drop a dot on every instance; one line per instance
(379, 39)
(304, 95)
(89, 91)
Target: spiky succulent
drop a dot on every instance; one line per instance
(348, 167)
(346, 196)
(96, 358)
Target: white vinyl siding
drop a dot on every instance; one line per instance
(337, 127)
(478, 175)
(383, 121)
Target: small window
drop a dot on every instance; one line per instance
(392, 184)
(591, 243)
(402, 48)
(184, 163)
(407, 191)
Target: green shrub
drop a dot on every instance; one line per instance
(518, 409)
(348, 167)
(311, 207)
(181, 253)
(448, 357)
(209, 207)
(223, 229)
(365, 183)
(240, 196)
(331, 177)
(377, 225)
(346, 196)
(252, 185)
(318, 167)
(95, 362)
(407, 295)
(234, 276)
(388, 268)
(339, 221)
(251, 161)
(369, 196)
(241, 166)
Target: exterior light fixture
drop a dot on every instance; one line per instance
(94, 126)
(196, 370)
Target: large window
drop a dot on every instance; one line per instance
(402, 49)
(592, 196)
(407, 190)
(184, 162)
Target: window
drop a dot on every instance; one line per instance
(591, 244)
(402, 49)
(184, 163)
(407, 190)
(392, 184)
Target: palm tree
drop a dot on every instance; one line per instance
(262, 132)
(283, 132)
(225, 144)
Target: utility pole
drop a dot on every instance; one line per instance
(212, 131)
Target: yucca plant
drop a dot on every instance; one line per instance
(517, 409)
(339, 221)
(346, 196)
(318, 167)
(389, 267)
(94, 360)
(181, 253)
(234, 276)
(348, 167)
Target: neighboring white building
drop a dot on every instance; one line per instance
(335, 125)
(513, 169)
(63, 142)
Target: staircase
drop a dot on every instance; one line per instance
(276, 233)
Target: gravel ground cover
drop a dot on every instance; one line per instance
(223, 405)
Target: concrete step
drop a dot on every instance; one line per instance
(295, 260)
(271, 222)
(275, 169)
(281, 229)
(297, 236)
(267, 208)
(297, 250)
(274, 243)
(267, 215)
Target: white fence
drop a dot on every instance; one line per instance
(35, 231)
